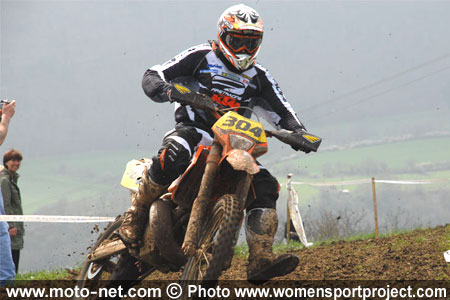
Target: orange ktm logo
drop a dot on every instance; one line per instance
(226, 101)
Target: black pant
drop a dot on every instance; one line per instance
(16, 258)
(175, 154)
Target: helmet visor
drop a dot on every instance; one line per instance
(243, 44)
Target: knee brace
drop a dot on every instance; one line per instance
(171, 161)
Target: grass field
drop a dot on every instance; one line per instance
(70, 178)
(399, 160)
(395, 156)
(50, 179)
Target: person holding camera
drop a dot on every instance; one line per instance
(7, 269)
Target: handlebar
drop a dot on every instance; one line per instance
(303, 141)
(185, 96)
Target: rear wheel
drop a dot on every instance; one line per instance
(216, 243)
(98, 273)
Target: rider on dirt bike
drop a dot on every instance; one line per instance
(226, 70)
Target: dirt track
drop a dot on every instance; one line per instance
(417, 255)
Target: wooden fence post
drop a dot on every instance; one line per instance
(288, 215)
(375, 213)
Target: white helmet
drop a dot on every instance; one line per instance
(240, 32)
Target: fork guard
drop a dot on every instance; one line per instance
(241, 160)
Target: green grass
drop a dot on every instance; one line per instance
(394, 155)
(241, 250)
(286, 247)
(44, 275)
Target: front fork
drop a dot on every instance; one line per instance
(200, 204)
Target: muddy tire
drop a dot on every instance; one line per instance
(94, 275)
(217, 243)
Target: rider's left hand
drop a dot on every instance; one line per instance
(299, 133)
(301, 149)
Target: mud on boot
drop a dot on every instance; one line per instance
(260, 228)
(136, 216)
(262, 270)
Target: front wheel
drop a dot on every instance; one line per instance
(217, 241)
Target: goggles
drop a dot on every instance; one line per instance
(243, 44)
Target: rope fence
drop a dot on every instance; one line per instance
(293, 212)
(369, 180)
(54, 219)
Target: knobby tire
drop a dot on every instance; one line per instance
(218, 239)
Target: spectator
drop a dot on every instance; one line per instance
(12, 201)
(7, 272)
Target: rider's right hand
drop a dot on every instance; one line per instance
(179, 93)
(186, 96)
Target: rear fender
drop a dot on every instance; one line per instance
(241, 160)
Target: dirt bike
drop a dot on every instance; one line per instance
(208, 200)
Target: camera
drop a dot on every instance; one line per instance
(2, 102)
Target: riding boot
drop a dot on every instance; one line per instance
(136, 216)
(261, 226)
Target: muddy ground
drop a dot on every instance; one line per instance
(416, 255)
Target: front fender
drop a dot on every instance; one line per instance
(241, 160)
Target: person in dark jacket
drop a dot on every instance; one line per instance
(226, 70)
(12, 200)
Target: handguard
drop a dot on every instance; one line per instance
(185, 96)
(302, 141)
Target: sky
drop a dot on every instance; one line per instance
(75, 67)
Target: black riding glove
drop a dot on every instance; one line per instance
(297, 134)
(185, 96)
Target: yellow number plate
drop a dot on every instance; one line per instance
(232, 121)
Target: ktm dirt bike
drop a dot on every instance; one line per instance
(208, 200)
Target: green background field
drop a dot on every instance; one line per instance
(71, 178)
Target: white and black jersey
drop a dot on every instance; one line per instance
(254, 88)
